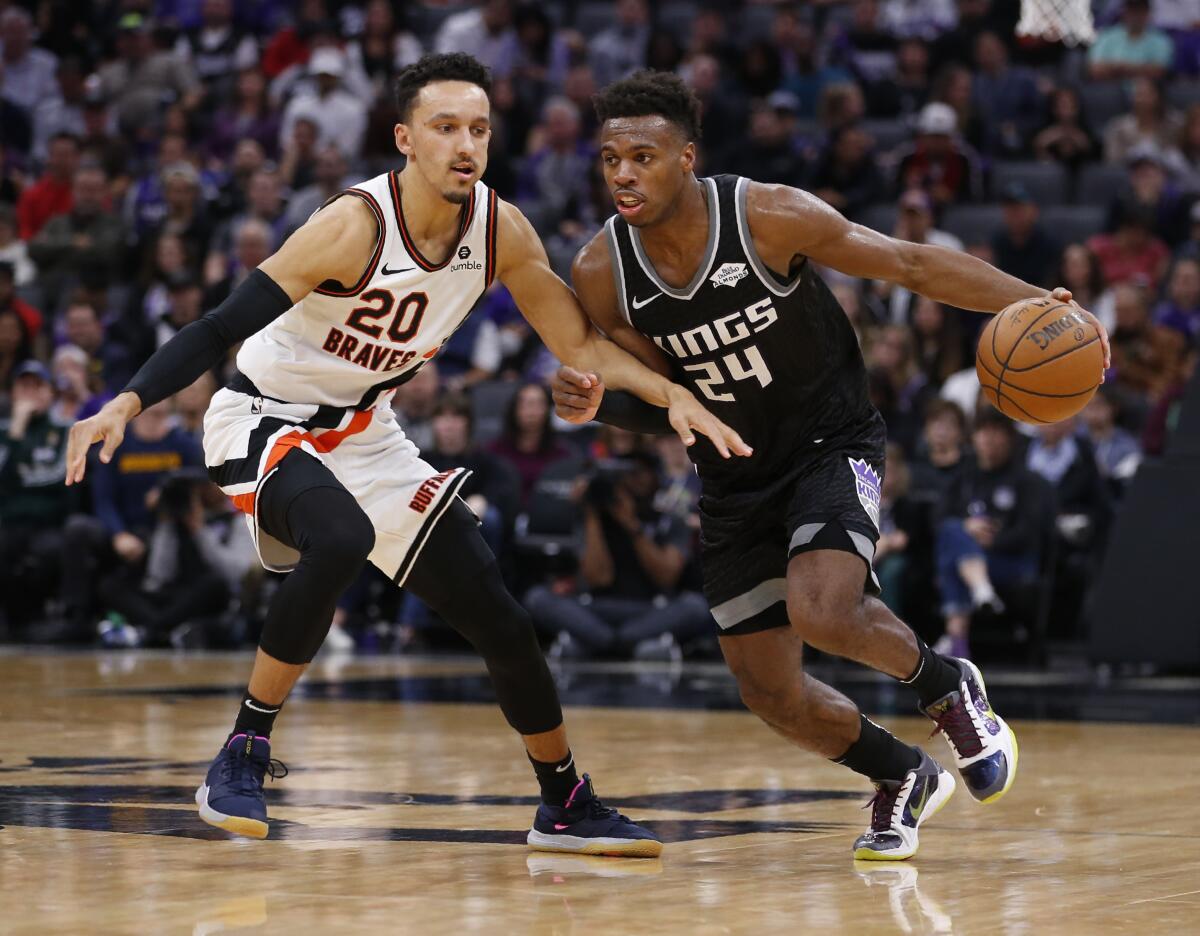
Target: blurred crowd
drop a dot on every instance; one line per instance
(153, 152)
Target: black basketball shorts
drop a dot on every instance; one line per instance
(828, 500)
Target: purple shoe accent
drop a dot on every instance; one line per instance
(571, 798)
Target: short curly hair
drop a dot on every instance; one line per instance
(455, 66)
(651, 93)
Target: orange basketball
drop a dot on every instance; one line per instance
(1040, 360)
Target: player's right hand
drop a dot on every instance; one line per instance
(107, 426)
(686, 413)
(576, 395)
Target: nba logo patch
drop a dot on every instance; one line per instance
(729, 274)
(867, 484)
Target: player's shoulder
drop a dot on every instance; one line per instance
(593, 263)
(345, 216)
(774, 200)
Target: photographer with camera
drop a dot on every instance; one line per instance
(630, 566)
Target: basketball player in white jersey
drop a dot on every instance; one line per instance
(304, 441)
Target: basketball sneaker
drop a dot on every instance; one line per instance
(586, 826)
(899, 807)
(985, 748)
(231, 796)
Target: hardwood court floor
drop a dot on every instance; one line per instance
(408, 817)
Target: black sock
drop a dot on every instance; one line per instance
(878, 754)
(557, 779)
(934, 677)
(255, 715)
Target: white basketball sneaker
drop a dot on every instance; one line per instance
(898, 809)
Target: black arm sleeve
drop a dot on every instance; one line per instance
(198, 347)
(626, 411)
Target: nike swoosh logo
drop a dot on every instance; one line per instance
(566, 766)
(638, 303)
(386, 272)
(268, 711)
(920, 807)
(559, 826)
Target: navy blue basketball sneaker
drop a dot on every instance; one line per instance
(985, 748)
(586, 826)
(231, 796)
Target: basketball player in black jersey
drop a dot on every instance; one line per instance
(710, 281)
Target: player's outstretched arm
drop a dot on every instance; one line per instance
(555, 313)
(786, 223)
(333, 244)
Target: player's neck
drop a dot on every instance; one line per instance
(685, 229)
(426, 213)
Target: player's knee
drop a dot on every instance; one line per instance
(760, 691)
(820, 615)
(341, 547)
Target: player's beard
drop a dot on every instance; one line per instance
(458, 198)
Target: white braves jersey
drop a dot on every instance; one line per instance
(350, 345)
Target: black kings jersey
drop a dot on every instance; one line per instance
(777, 360)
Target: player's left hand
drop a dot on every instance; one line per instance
(1064, 295)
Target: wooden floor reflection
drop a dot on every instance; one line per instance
(408, 817)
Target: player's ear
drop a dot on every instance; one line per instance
(403, 139)
(687, 158)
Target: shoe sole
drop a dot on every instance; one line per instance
(869, 854)
(238, 825)
(577, 845)
(1012, 737)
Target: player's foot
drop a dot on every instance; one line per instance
(899, 807)
(231, 796)
(985, 748)
(588, 827)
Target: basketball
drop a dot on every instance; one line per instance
(1040, 360)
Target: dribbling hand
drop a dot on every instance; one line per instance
(1064, 295)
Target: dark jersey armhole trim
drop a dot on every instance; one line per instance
(465, 216)
(765, 275)
(618, 267)
(333, 287)
(493, 222)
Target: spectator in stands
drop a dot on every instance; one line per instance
(87, 239)
(1132, 49)
(253, 242)
(142, 80)
(26, 72)
(1180, 309)
(185, 297)
(1118, 453)
(528, 441)
(108, 362)
(246, 115)
(414, 404)
(908, 90)
(914, 222)
(1149, 124)
(1022, 247)
(621, 48)
(50, 195)
(330, 178)
(938, 340)
(846, 174)
(61, 112)
(926, 19)
(679, 492)
(293, 43)
(990, 531)
(15, 347)
(339, 115)
(485, 32)
(1164, 416)
(891, 358)
(1007, 95)
(898, 516)
(385, 46)
(957, 45)
(1065, 458)
(555, 182)
(954, 86)
(630, 567)
(77, 396)
(767, 154)
(191, 403)
(185, 215)
(298, 163)
(13, 250)
(1191, 247)
(216, 49)
(936, 161)
(1079, 271)
(1143, 356)
(805, 74)
(1150, 188)
(1066, 138)
(1132, 251)
(34, 501)
(722, 107)
(945, 455)
(1184, 162)
(31, 318)
(264, 204)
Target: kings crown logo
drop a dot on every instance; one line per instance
(867, 484)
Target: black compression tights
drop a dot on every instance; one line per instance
(455, 574)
